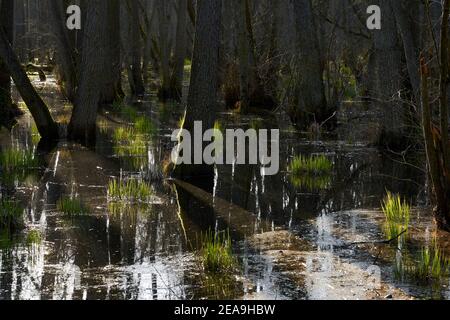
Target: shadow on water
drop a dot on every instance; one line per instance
(290, 236)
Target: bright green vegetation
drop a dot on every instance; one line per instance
(217, 256)
(145, 126)
(397, 213)
(129, 191)
(71, 207)
(33, 237)
(123, 134)
(312, 173)
(11, 160)
(430, 265)
(313, 165)
(11, 216)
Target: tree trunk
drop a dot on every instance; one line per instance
(385, 71)
(163, 7)
(46, 126)
(136, 52)
(112, 89)
(180, 50)
(436, 140)
(202, 102)
(7, 24)
(83, 122)
(65, 55)
(311, 106)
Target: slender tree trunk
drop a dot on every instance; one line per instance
(46, 126)
(436, 140)
(180, 50)
(163, 7)
(112, 89)
(136, 52)
(83, 122)
(311, 106)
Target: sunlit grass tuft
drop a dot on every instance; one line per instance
(217, 256)
(71, 207)
(397, 213)
(11, 216)
(129, 191)
(145, 126)
(12, 159)
(312, 165)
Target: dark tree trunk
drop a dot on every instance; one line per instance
(312, 105)
(65, 56)
(46, 126)
(112, 89)
(83, 122)
(136, 52)
(7, 23)
(202, 102)
(180, 51)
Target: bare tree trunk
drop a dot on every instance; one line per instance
(112, 89)
(136, 52)
(311, 106)
(202, 104)
(436, 141)
(7, 23)
(66, 57)
(46, 126)
(83, 122)
(180, 50)
(163, 7)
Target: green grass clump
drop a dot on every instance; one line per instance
(429, 266)
(11, 216)
(397, 213)
(313, 165)
(123, 134)
(11, 160)
(71, 207)
(129, 191)
(217, 256)
(34, 237)
(129, 113)
(144, 125)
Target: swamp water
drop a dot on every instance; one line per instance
(293, 238)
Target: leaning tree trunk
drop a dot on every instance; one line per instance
(83, 122)
(46, 126)
(202, 104)
(7, 23)
(311, 106)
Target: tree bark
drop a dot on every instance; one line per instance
(112, 89)
(136, 52)
(180, 50)
(7, 23)
(46, 126)
(311, 106)
(65, 56)
(202, 102)
(83, 122)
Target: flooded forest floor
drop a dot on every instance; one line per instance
(292, 238)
